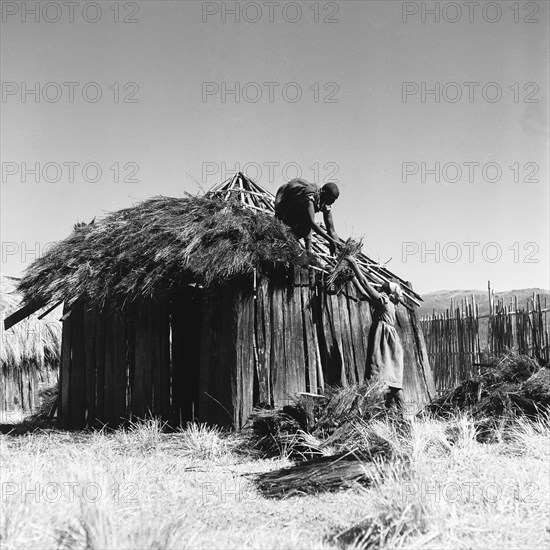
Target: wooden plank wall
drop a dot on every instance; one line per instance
(19, 388)
(218, 390)
(212, 354)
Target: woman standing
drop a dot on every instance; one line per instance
(385, 352)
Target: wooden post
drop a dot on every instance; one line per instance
(65, 371)
(89, 314)
(278, 358)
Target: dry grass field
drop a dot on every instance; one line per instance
(142, 488)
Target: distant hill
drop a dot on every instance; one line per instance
(441, 299)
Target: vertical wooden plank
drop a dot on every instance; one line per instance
(188, 331)
(227, 391)
(218, 389)
(90, 363)
(120, 367)
(296, 367)
(189, 340)
(347, 344)
(278, 359)
(311, 355)
(412, 383)
(237, 372)
(78, 372)
(248, 386)
(300, 332)
(339, 368)
(156, 331)
(263, 341)
(243, 373)
(357, 329)
(288, 376)
(99, 345)
(110, 416)
(193, 351)
(65, 372)
(365, 316)
(141, 358)
(178, 358)
(164, 361)
(206, 354)
(330, 357)
(148, 314)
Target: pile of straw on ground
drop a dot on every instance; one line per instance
(316, 426)
(337, 439)
(510, 386)
(324, 474)
(154, 247)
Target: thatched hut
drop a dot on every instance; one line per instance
(203, 307)
(29, 354)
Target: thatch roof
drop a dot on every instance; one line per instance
(163, 243)
(254, 196)
(158, 245)
(34, 341)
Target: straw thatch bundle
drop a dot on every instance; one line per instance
(341, 273)
(324, 474)
(510, 386)
(351, 421)
(33, 342)
(158, 245)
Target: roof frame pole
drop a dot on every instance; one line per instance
(254, 196)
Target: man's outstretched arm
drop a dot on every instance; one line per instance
(315, 227)
(331, 230)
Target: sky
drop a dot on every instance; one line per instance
(434, 124)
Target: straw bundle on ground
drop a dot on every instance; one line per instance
(316, 426)
(513, 385)
(356, 449)
(158, 245)
(325, 474)
(339, 437)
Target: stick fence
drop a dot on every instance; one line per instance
(460, 341)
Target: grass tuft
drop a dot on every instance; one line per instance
(202, 442)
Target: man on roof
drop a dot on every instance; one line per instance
(296, 204)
